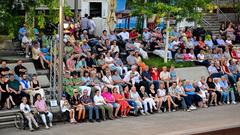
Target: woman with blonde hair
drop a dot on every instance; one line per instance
(76, 104)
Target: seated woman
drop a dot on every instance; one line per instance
(136, 98)
(120, 99)
(26, 110)
(35, 87)
(67, 109)
(107, 79)
(37, 55)
(139, 61)
(78, 107)
(164, 98)
(211, 91)
(110, 100)
(153, 94)
(132, 103)
(6, 98)
(147, 100)
(42, 110)
(119, 64)
(102, 105)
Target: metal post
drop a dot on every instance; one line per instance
(145, 19)
(60, 73)
(167, 39)
(76, 9)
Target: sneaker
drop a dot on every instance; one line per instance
(193, 107)
(228, 102)
(188, 110)
(27, 56)
(174, 110)
(98, 120)
(142, 113)
(233, 102)
(147, 113)
(47, 127)
(50, 124)
(91, 121)
(32, 130)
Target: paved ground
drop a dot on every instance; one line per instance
(202, 120)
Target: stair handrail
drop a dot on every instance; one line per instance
(205, 22)
(221, 12)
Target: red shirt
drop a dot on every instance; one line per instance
(133, 35)
(155, 75)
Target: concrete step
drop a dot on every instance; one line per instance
(8, 112)
(7, 118)
(43, 72)
(7, 124)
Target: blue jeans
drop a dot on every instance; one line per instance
(90, 111)
(225, 96)
(156, 85)
(133, 104)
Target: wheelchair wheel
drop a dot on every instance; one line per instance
(19, 121)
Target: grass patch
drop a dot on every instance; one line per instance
(159, 62)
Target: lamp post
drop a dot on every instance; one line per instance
(145, 18)
(167, 38)
(75, 10)
(60, 73)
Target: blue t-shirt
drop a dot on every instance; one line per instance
(189, 92)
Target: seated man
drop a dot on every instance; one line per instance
(190, 91)
(102, 105)
(4, 70)
(176, 96)
(226, 90)
(19, 69)
(26, 88)
(89, 106)
(42, 110)
(14, 88)
(131, 59)
(165, 76)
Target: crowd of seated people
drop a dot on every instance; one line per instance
(16, 84)
(100, 83)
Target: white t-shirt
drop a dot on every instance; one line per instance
(64, 106)
(124, 35)
(164, 75)
(200, 57)
(26, 40)
(162, 92)
(25, 108)
(109, 60)
(98, 100)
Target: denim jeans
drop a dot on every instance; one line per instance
(156, 84)
(225, 96)
(133, 104)
(90, 111)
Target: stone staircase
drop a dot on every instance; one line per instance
(7, 118)
(211, 23)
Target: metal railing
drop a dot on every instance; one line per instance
(219, 11)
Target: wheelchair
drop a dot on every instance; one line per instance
(21, 122)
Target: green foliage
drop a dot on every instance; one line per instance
(67, 11)
(159, 62)
(189, 9)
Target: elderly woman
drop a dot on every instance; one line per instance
(76, 104)
(136, 98)
(147, 100)
(132, 103)
(110, 100)
(120, 99)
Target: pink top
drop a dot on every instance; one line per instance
(40, 105)
(71, 64)
(186, 57)
(108, 96)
